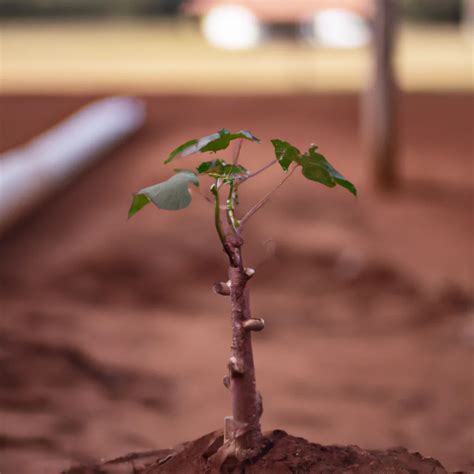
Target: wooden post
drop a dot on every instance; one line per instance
(380, 100)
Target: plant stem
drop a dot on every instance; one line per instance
(246, 400)
(260, 170)
(218, 225)
(237, 151)
(265, 199)
(246, 439)
(230, 208)
(217, 214)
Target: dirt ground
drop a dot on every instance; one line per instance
(111, 340)
(279, 453)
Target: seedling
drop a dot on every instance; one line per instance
(244, 435)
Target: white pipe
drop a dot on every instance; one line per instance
(31, 173)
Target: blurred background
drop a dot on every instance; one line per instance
(111, 338)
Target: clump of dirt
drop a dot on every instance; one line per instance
(282, 454)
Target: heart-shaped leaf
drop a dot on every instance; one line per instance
(171, 195)
(211, 143)
(285, 153)
(314, 165)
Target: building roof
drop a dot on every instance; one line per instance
(282, 10)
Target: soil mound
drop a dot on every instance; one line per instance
(283, 454)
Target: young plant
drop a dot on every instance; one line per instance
(245, 436)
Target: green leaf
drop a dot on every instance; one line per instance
(139, 202)
(220, 169)
(317, 168)
(317, 173)
(224, 139)
(181, 149)
(314, 165)
(347, 184)
(171, 195)
(285, 153)
(210, 143)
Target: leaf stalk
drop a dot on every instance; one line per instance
(265, 199)
(255, 173)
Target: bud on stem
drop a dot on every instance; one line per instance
(250, 272)
(254, 324)
(236, 367)
(221, 288)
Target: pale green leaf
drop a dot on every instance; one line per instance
(171, 195)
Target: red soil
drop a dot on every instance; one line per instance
(283, 454)
(111, 340)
